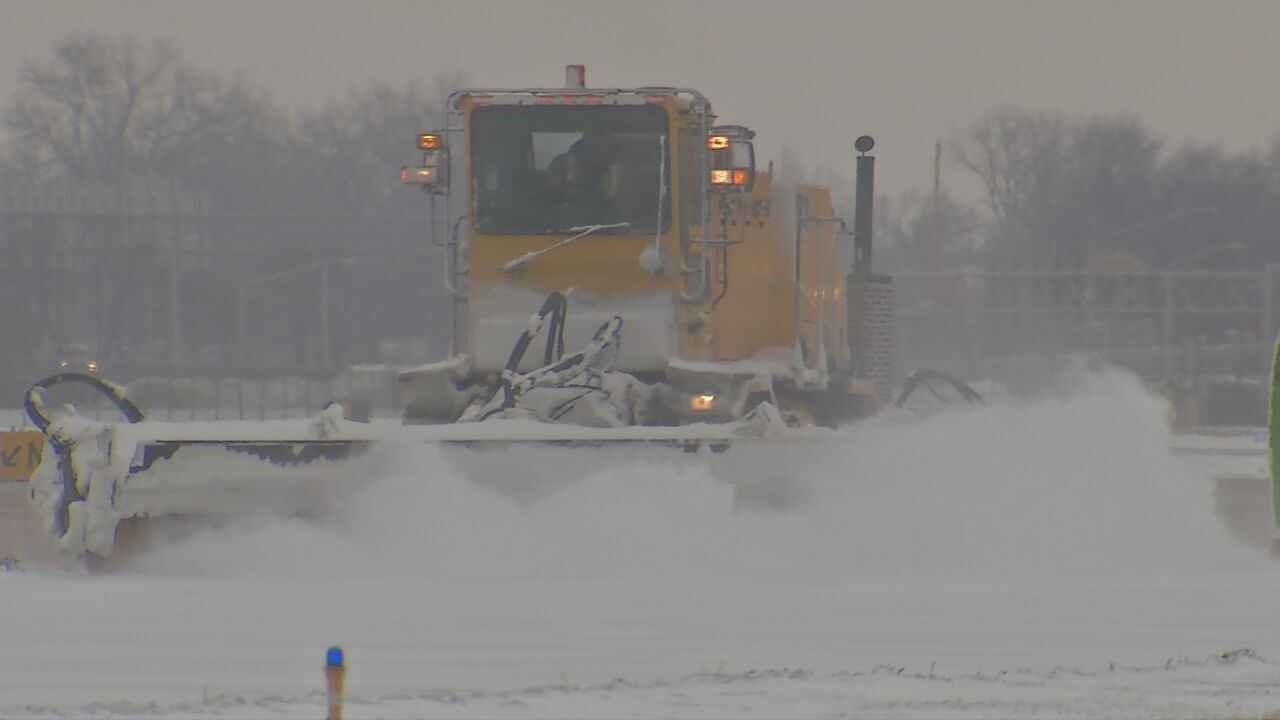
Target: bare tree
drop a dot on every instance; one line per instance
(910, 241)
(1062, 193)
(1110, 184)
(359, 144)
(355, 149)
(133, 116)
(106, 109)
(1223, 210)
(1017, 157)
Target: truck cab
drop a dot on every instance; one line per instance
(631, 204)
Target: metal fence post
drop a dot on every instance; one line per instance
(1269, 282)
(1167, 340)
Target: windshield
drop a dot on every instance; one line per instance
(544, 170)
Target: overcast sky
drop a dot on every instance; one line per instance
(808, 76)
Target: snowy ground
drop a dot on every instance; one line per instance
(1053, 559)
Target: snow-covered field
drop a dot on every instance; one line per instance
(1052, 559)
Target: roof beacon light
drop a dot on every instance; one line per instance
(575, 76)
(429, 141)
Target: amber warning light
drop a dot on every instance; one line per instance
(739, 177)
(418, 175)
(732, 157)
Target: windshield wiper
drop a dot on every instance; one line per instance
(582, 231)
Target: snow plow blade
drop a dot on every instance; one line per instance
(95, 475)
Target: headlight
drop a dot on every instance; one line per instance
(702, 403)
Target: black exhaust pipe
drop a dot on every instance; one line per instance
(870, 310)
(863, 197)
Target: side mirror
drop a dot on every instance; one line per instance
(733, 158)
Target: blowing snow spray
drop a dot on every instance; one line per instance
(335, 672)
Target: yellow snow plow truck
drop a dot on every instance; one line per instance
(621, 271)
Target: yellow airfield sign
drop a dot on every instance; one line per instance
(19, 454)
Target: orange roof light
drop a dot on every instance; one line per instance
(718, 142)
(429, 141)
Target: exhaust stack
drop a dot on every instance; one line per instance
(864, 195)
(870, 310)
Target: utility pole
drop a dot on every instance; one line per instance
(175, 297)
(935, 251)
(326, 354)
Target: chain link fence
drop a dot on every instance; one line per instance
(209, 316)
(220, 316)
(1208, 336)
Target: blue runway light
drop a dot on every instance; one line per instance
(333, 658)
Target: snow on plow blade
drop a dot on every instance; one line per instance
(97, 474)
